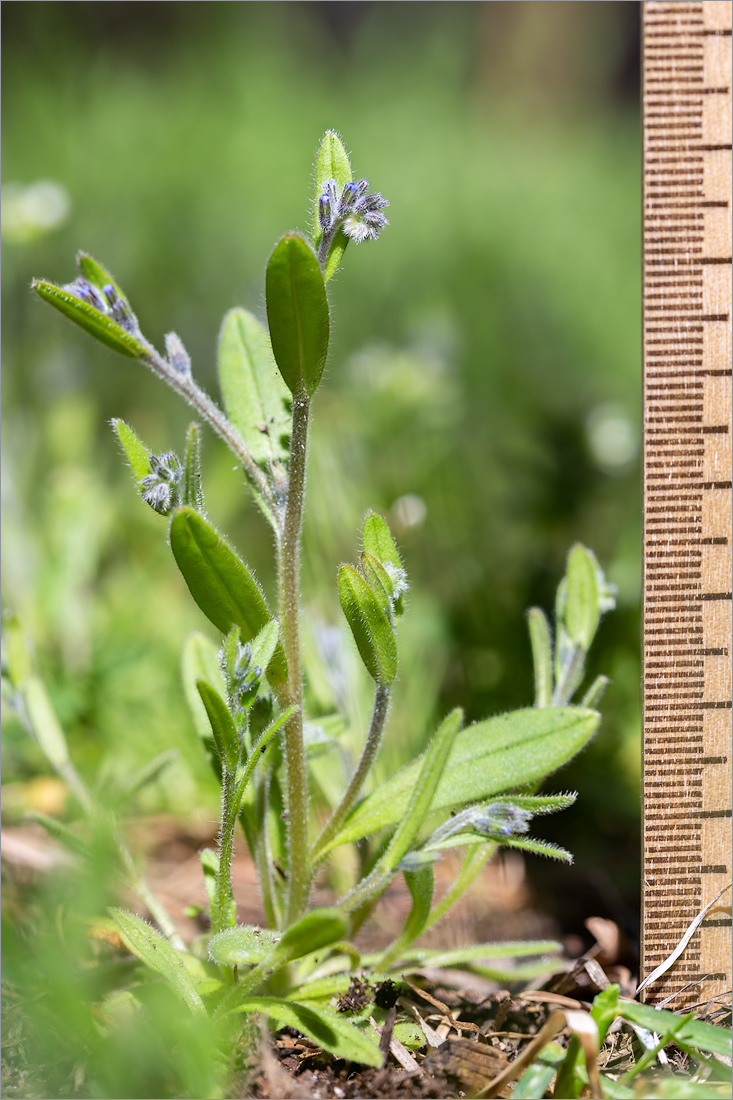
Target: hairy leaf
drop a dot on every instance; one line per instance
(137, 454)
(334, 1034)
(222, 725)
(149, 946)
(369, 624)
(297, 313)
(317, 929)
(496, 755)
(219, 581)
(92, 320)
(256, 399)
(244, 945)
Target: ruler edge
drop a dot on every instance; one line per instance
(646, 8)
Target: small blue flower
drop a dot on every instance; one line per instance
(160, 487)
(354, 211)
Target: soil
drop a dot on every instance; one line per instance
(475, 1027)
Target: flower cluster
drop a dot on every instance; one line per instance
(160, 486)
(357, 213)
(107, 301)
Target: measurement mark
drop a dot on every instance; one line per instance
(687, 492)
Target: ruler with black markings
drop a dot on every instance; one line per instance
(687, 497)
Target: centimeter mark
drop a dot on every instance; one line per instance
(687, 494)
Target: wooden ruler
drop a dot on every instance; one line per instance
(687, 496)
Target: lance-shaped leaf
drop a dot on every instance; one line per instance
(256, 399)
(149, 946)
(379, 581)
(137, 454)
(333, 1033)
(317, 929)
(420, 883)
(97, 324)
(148, 774)
(369, 624)
(98, 275)
(582, 611)
(488, 758)
(423, 792)
(332, 163)
(45, 725)
(541, 639)
(376, 539)
(297, 313)
(193, 493)
(220, 582)
(222, 725)
(200, 661)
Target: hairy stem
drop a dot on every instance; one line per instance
(184, 385)
(369, 752)
(289, 607)
(476, 858)
(220, 916)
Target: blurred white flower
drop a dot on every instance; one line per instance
(612, 438)
(33, 210)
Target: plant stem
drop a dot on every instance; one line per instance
(220, 917)
(184, 385)
(476, 858)
(289, 607)
(369, 752)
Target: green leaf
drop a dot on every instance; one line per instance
(541, 639)
(220, 582)
(582, 611)
(535, 1080)
(137, 454)
(379, 581)
(332, 163)
(488, 758)
(264, 645)
(60, 832)
(460, 956)
(222, 725)
(148, 774)
(433, 765)
(45, 725)
(98, 275)
(200, 661)
(369, 624)
(193, 493)
(695, 1033)
(16, 658)
(256, 754)
(96, 323)
(376, 539)
(538, 847)
(149, 946)
(210, 867)
(420, 883)
(297, 313)
(244, 945)
(256, 399)
(337, 1036)
(317, 929)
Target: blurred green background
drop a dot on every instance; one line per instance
(483, 387)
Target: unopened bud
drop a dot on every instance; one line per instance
(178, 357)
